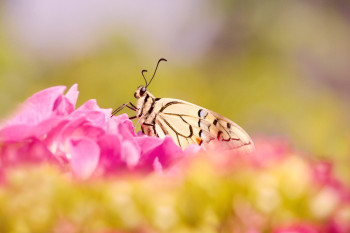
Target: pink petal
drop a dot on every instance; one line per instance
(15, 132)
(157, 166)
(63, 106)
(165, 150)
(81, 128)
(91, 105)
(115, 121)
(130, 153)
(268, 151)
(323, 172)
(110, 159)
(298, 228)
(94, 117)
(125, 133)
(85, 154)
(192, 149)
(148, 143)
(72, 94)
(37, 107)
(29, 151)
(74, 129)
(94, 114)
(21, 132)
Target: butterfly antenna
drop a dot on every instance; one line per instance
(144, 76)
(162, 59)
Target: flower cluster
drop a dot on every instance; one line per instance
(210, 192)
(86, 140)
(275, 189)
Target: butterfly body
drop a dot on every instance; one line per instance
(187, 123)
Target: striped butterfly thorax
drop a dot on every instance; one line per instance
(185, 122)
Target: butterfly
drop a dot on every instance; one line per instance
(185, 122)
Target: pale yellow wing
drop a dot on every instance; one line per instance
(187, 123)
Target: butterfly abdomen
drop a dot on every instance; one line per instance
(147, 113)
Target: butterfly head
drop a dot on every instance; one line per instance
(140, 92)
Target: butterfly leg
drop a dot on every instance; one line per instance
(132, 107)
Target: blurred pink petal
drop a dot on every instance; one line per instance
(325, 176)
(192, 149)
(157, 167)
(15, 132)
(30, 151)
(84, 154)
(340, 222)
(21, 132)
(298, 228)
(323, 172)
(268, 151)
(37, 107)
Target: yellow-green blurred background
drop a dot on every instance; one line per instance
(277, 68)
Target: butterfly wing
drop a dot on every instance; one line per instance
(187, 123)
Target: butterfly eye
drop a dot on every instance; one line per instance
(142, 91)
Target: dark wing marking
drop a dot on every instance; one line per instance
(183, 120)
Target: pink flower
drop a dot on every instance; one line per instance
(86, 140)
(268, 152)
(340, 222)
(298, 228)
